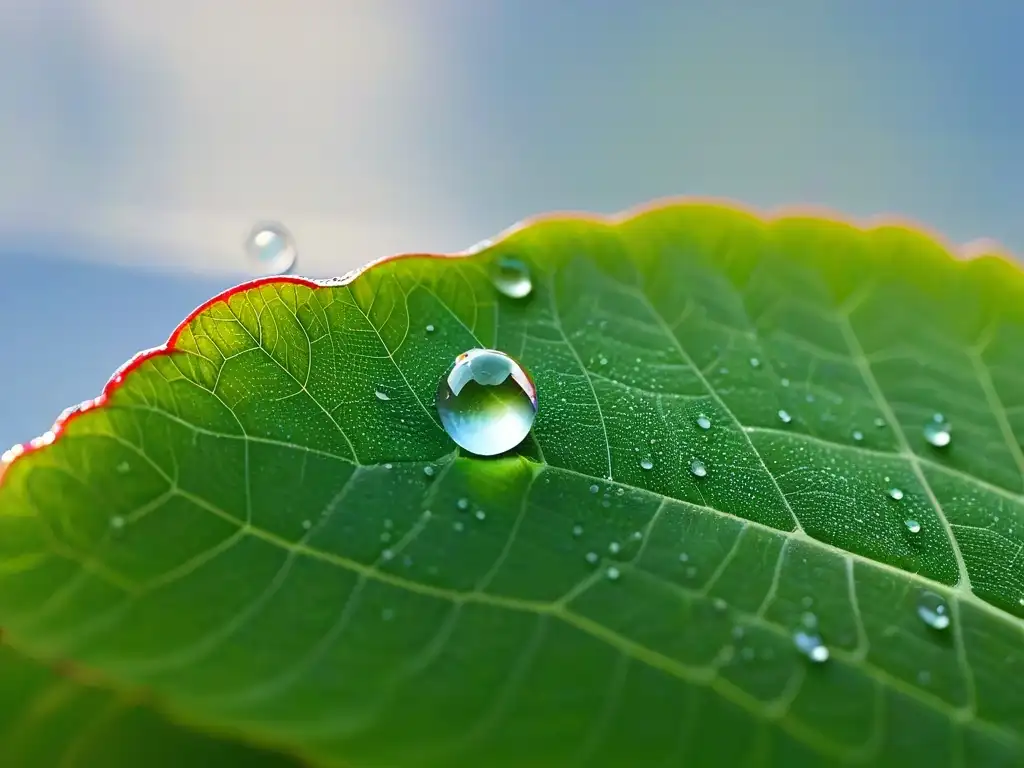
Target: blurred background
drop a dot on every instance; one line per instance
(140, 140)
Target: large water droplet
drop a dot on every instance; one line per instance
(784, 417)
(271, 249)
(381, 395)
(512, 277)
(646, 464)
(896, 493)
(932, 609)
(811, 645)
(487, 402)
(698, 469)
(703, 422)
(912, 525)
(938, 431)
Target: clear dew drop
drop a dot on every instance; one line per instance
(487, 402)
(430, 328)
(512, 278)
(755, 363)
(784, 416)
(614, 548)
(270, 249)
(381, 395)
(594, 489)
(811, 645)
(858, 435)
(932, 610)
(612, 573)
(784, 381)
(912, 525)
(592, 558)
(646, 464)
(577, 531)
(896, 494)
(480, 515)
(698, 469)
(1021, 602)
(703, 422)
(938, 431)
(428, 471)
(117, 522)
(879, 421)
(462, 504)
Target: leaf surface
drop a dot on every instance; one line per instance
(48, 719)
(247, 529)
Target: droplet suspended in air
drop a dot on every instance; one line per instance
(698, 469)
(512, 278)
(938, 431)
(896, 493)
(271, 249)
(811, 645)
(932, 610)
(912, 525)
(487, 402)
(784, 416)
(703, 422)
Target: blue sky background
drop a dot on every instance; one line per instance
(139, 141)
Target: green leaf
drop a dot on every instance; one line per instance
(48, 719)
(281, 565)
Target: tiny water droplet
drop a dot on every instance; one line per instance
(123, 467)
(381, 395)
(879, 421)
(809, 620)
(462, 504)
(784, 416)
(480, 514)
(117, 522)
(809, 397)
(428, 471)
(594, 489)
(698, 469)
(683, 557)
(612, 573)
(755, 363)
(459, 526)
(896, 493)
(487, 402)
(646, 464)
(577, 530)
(387, 614)
(387, 554)
(512, 278)
(858, 435)
(430, 328)
(1021, 602)
(784, 381)
(719, 604)
(932, 610)
(591, 557)
(938, 431)
(614, 547)
(270, 249)
(307, 524)
(924, 677)
(912, 525)
(603, 361)
(811, 645)
(703, 422)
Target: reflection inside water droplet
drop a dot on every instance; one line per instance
(896, 493)
(932, 610)
(512, 277)
(271, 249)
(811, 645)
(487, 402)
(938, 431)
(912, 525)
(703, 422)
